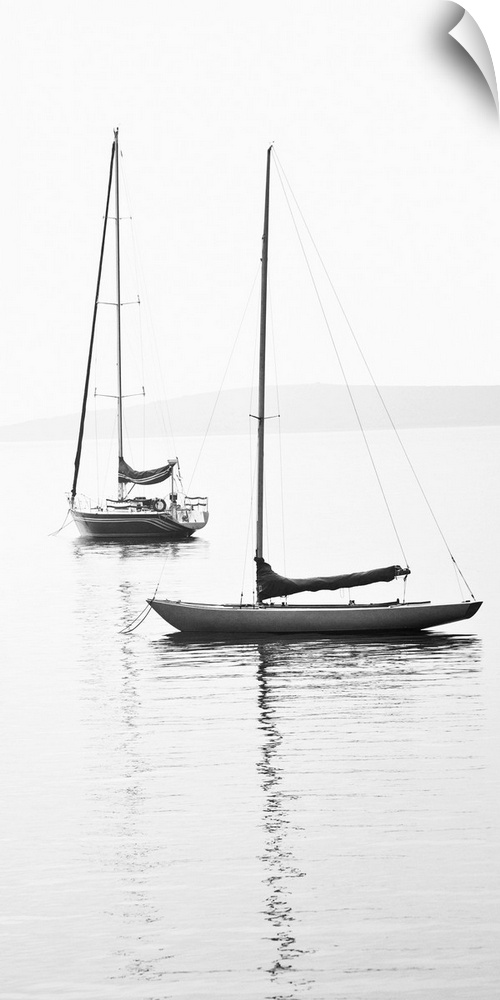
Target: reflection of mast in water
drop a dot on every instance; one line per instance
(331, 669)
(134, 854)
(122, 802)
(278, 858)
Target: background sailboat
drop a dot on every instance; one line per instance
(262, 617)
(128, 516)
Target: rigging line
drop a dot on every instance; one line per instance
(250, 521)
(163, 407)
(283, 542)
(96, 447)
(280, 440)
(63, 525)
(230, 358)
(253, 458)
(141, 335)
(94, 321)
(344, 376)
(141, 283)
(160, 408)
(374, 383)
(253, 379)
(111, 451)
(134, 258)
(162, 569)
(138, 620)
(144, 431)
(458, 574)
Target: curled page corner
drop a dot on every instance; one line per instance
(469, 35)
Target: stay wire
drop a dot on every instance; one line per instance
(139, 619)
(280, 439)
(163, 407)
(341, 366)
(368, 369)
(143, 614)
(63, 525)
(253, 467)
(221, 386)
(252, 463)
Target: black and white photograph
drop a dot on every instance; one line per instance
(250, 441)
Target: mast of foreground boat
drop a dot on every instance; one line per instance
(92, 334)
(118, 317)
(262, 370)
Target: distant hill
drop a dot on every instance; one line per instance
(304, 408)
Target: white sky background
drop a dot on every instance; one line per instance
(392, 152)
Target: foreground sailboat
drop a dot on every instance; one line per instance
(262, 617)
(128, 517)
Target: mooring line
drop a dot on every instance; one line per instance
(63, 525)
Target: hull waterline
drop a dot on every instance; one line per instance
(140, 525)
(315, 619)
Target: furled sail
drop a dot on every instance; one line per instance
(270, 584)
(148, 478)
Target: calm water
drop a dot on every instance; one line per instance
(291, 818)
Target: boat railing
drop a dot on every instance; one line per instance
(189, 510)
(196, 502)
(81, 502)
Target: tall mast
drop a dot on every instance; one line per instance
(262, 370)
(118, 313)
(91, 346)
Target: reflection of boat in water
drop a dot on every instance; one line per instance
(336, 732)
(264, 617)
(418, 647)
(128, 516)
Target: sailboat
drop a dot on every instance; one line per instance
(126, 516)
(263, 616)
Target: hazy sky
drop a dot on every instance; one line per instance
(392, 150)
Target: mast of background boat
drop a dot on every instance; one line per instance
(118, 314)
(262, 371)
(91, 346)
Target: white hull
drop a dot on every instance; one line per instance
(319, 619)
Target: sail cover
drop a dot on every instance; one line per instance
(270, 584)
(148, 478)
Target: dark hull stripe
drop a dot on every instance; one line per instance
(103, 525)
